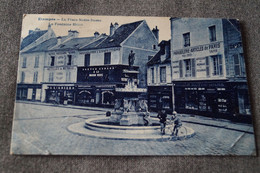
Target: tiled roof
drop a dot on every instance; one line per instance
(32, 37)
(156, 59)
(44, 46)
(94, 44)
(74, 43)
(120, 35)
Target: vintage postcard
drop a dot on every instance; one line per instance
(111, 85)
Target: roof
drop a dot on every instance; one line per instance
(94, 44)
(44, 46)
(119, 35)
(73, 43)
(32, 37)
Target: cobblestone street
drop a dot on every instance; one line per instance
(42, 129)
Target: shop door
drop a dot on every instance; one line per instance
(212, 104)
(33, 94)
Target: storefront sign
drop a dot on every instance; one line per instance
(101, 50)
(211, 48)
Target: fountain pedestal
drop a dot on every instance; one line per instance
(130, 107)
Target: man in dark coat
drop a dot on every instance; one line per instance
(162, 116)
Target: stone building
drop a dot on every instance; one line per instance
(104, 67)
(159, 79)
(60, 68)
(87, 70)
(208, 68)
(31, 63)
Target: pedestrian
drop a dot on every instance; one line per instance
(162, 117)
(177, 124)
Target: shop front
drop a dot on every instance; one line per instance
(218, 99)
(60, 94)
(160, 97)
(30, 92)
(95, 96)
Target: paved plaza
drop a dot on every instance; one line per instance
(43, 129)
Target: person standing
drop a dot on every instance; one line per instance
(162, 117)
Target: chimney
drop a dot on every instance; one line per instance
(112, 29)
(73, 34)
(96, 34)
(49, 26)
(116, 25)
(156, 32)
(58, 40)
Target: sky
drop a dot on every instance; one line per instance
(86, 25)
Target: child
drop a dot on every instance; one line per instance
(177, 124)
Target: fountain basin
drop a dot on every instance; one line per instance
(93, 127)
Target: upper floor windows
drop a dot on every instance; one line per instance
(22, 77)
(24, 62)
(87, 60)
(217, 65)
(69, 60)
(214, 66)
(107, 58)
(187, 68)
(163, 74)
(186, 39)
(36, 62)
(212, 33)
(52, 60)
(152, 75)
(35, 76)
(51, 76)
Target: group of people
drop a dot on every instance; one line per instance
(162, 115)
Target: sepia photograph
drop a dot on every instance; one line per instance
(127, 85)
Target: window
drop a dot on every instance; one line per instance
(107, 59)
(163, 74)
(68, 74)
(35, 76)
(190, 68)
(69, 59)
(154, 46)
(36, 62)
(52, 60)
(87, 60)
(152, 74)
(22, 77)
(51, 77)
(217, 65)
(24, 62)
(186, 38)
(239, 65)
(212, 33)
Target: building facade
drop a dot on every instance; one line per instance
(31, 63)
(86, 70)
(104, 67)
(208, 68)
(159, 79)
